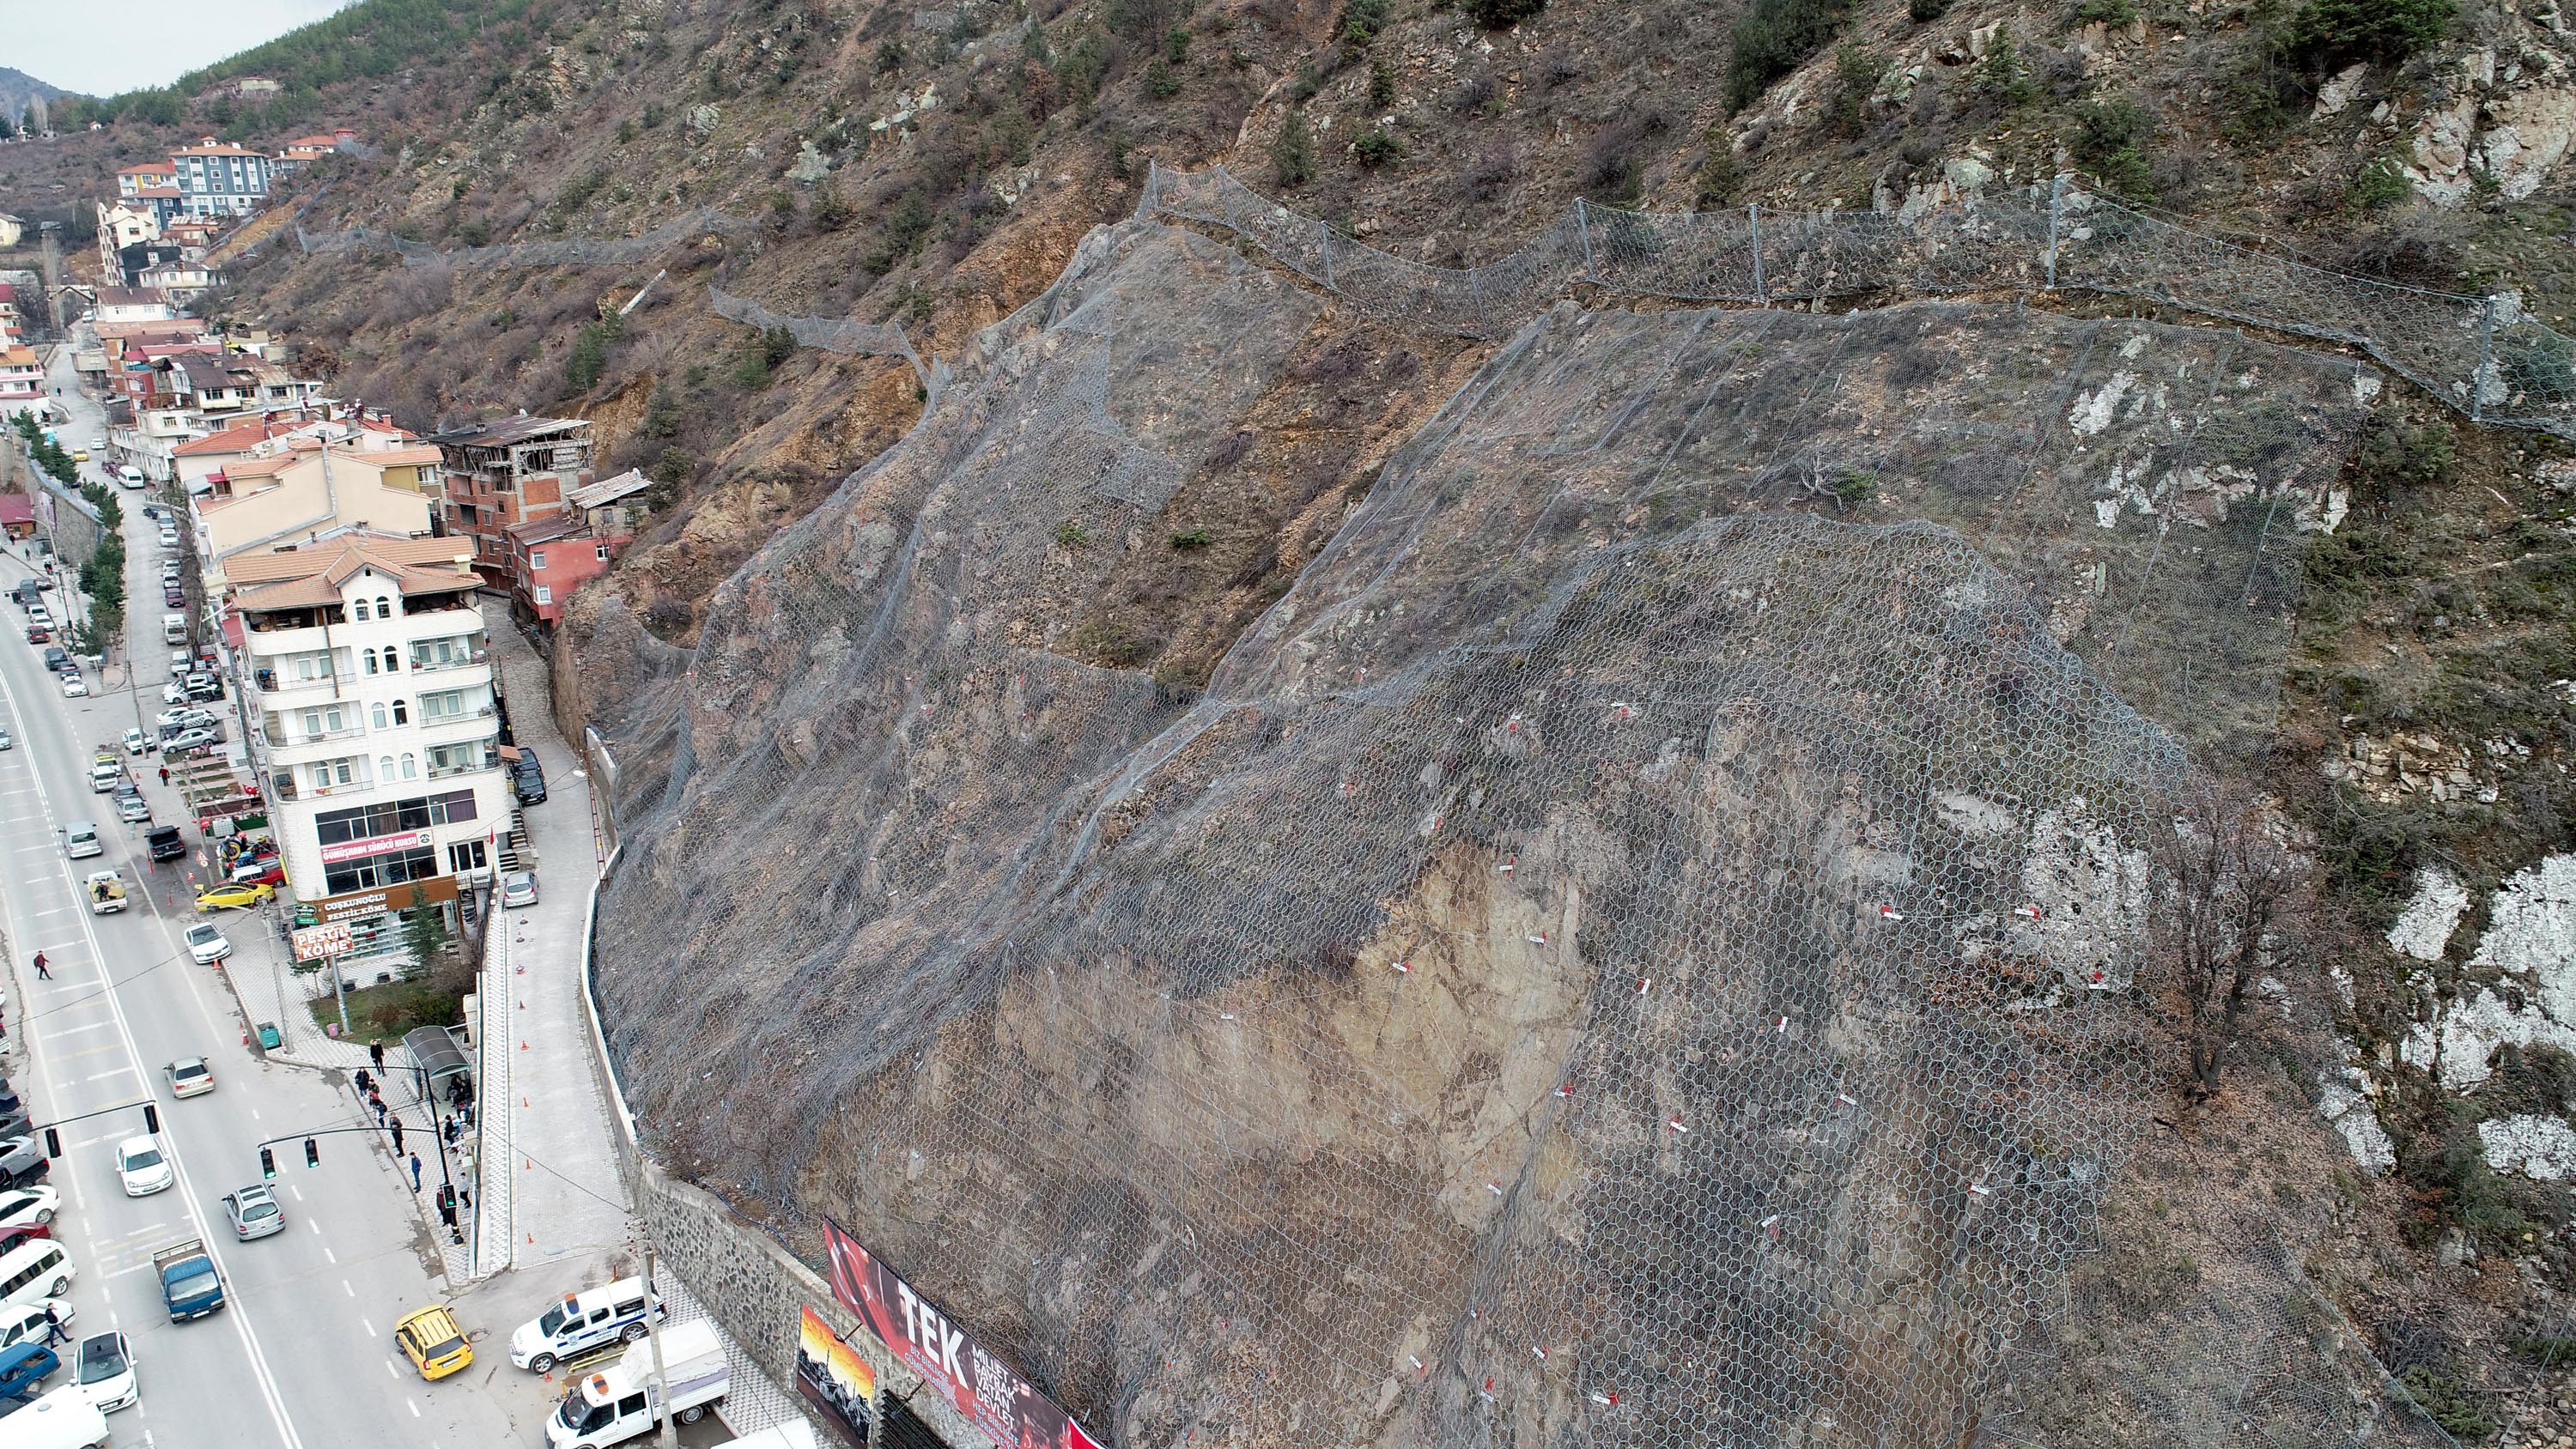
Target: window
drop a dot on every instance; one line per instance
(465, 855)
(393, 661)
(537, 559)
(384, 767)
(402, 713)
(374, 872)
(322, 721)
(389, 817)
(545, 595)
(358, 611)
(371, 659)
(447, 705)
(410, 766)
(384, 607)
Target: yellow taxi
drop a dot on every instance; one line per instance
(233, 896)
(433, 1342)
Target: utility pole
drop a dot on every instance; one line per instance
(661, 1378)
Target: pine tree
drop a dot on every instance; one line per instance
(424, 931)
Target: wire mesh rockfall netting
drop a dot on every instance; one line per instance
(1636, 948)
(843, 335)
(2485, 356)
(566, 252)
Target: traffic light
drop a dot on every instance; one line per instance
(312, 1153)
(152, 1118)
(267, 1164)
(53, 1142)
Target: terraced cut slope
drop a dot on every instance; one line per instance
(1640, 945)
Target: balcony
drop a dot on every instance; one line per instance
(454, 729)
(437, 666)
(279, 693)
(489, 758)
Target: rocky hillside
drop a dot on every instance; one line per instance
(980, 646)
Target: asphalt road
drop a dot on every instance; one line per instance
(303, 1356)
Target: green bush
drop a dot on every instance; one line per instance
(1292, 151)
(2462, 1412)
(2380, 185)
(1381, 85)
(1856, 72)
(1924, 12)
(1193, 538)
(2111, 140)
(2004, 75)
(1377, 146)
(589, 357)
(1502, 14)
(1773, 38)
(1362, 20)
(2113, 13)
(1717, 176)
(2338, 32)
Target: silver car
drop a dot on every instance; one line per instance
(254, 1212)
(518, 888)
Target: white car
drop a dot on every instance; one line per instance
(75, 687)
(206, 945)
(171, 693)
(105, 1372)
(135, 743)
(130, 476)
(184, 717)
(518, 888)
(29, 1205)
(141, 1167)
(25, 1323)
(190, 1077)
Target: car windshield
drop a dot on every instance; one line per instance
(442, 1348)
(252, 1211)
(101, 1358)
(186, 1070)
(143, 1159)
(200, 935)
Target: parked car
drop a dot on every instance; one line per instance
(29, 1205)
(106, 1371)
(518, 888)
(186, 740)
(264, 870)
(254, 1212)
(202, 686)
(141, 1167)
(7, 743)
(528, 778)
(39, 634)
(206, 945)
(172, 693)
(75, 687)
(171, 597)
(27, 1322)
(133, 809)
(163, 842)
(136, 742)
(25, 1365)
(22, 1161)
(130, 476)
(57, 659)
(185, 717)
(39, 614)
(233, 896)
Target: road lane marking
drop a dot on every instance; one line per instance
(335, 1260)
(56, 911)
(121, 1272)
(415, 1408)
(91, 1051)
(371, 1327)
(344, 1283)
(239, 1315)
(71, 1030)
(109, 1075)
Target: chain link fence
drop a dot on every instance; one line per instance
(846, 336)
(568, 252)
(2484, 356)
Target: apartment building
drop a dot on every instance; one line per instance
(222, 180)
(309, 486)
(508, 472)
(375, 728)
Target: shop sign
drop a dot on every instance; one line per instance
(375, 845)
(358, 905)
(315, 942)
(923, 1339)
(833, 1378)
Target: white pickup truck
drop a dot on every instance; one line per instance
(621, 1402)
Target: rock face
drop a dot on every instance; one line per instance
(1616, 949)
(2424, 929)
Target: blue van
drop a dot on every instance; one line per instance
(25, 1365)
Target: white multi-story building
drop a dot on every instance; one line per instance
(374, 725)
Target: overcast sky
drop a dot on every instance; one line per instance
(123, 45)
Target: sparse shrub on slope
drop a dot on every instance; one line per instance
(1773, 38)
(2111, 140)
(1502, 14)
(2332, 33)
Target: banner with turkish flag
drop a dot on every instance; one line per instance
(985, 1389)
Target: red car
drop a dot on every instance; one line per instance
(36, 635)
(12, 1236)
(267, 871)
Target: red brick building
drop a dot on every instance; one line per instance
(551, 557)
(508, 472)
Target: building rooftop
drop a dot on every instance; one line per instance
(150, 168)
(213, 149)
(545, 530)
(131, 297)
(608, 490)
(293, 563)
(326, 566)
(502, 432)
(17, 508)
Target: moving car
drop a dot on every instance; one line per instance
(29, 1205)
(136, 743)
(141, 1167)
(190, 1077)
(27, 1323)
(190, 1286)
(206, 945)
(433, 1343)
(106, 1372)
(163, 842)
(232, 896)
(130, 476)
(106, 890)
(254, 1212)
(518, 888)
(80, 840)
(6, 742)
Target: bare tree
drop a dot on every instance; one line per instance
(2231, 900)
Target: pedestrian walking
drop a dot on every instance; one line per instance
(376, 1055)
(379, 1104)
(54, 1326)
(365, 1083)
(397, 1134)
(165, 774)
(43, 971)
(415, 1172)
